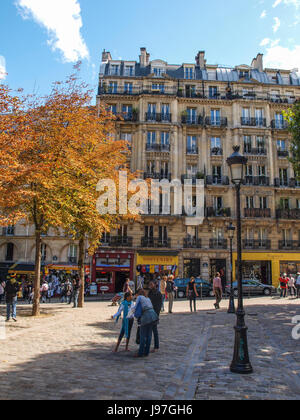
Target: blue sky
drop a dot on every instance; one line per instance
(41, 39)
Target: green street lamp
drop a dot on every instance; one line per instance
(231, 309)
(241, 362)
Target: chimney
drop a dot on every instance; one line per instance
(257, 63)
(200, 59)
(144, 57)
(106, 56)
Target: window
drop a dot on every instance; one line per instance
(114, 69)
(128, 138)
(259, 116)
(122, 231)
(189, 73)
(261, 170)
(151, 137)
(192, 145)
(152, 111)
(213, 92)
(164, 169)
(298, 204)
(165, 110)
(286, 235)
(281, 145)
(9, 231)
(284, 203)
(244, 74)
(128, 87)
(129, 71)
(72, 254)
(249, 234)
(217, 174)
(250, 202)
(149, 232)
(44, 252)
(192, 232)
(263, 202)
(249, 170)
(215, 146)
(247, 144)
(217, 203)
(158, 87)
(192, 115)
(9, 256)
(190, 91)
(159, 71)
(218, 233)
(113, 87)
(283, 177)
(163, 234)
(164, 138)
(279, 120)
(215, 116)
(260, 143)
(191, 170)
(113, 109)
(151, 167)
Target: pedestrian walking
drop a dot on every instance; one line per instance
(284, 281)
(126, 287)
(191, 293)
(217, 287)
(170, 288)
(297, 284)
(156, 299)
(44, 291)
(76, 290)
(11, 292)
(162, 289)
(144, 310)
(291, 285)
(127, 323)
(68, 291)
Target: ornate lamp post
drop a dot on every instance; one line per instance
(231, 309)
(241, 362)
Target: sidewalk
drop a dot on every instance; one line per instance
(66, 354)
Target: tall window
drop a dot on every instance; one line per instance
(152, 111)
(260, 143)
(217, 203)
(217, 174)
(247, 144)
(279, 120)
(122, 231)
(9, 231)
(73, 252)
(151, 138)
(165, 111)
(284, 203)
(129, 71)
(165, 138)
(263, 202)
(215, 116)
(149, 232)
(259, 116)
(281, 145)
(283, 176)
(189, 73)
(249, 202)
(213, 92)
(113, 87)
(114, 70)
(159, 71)
(113, 109)
(128, 87)
(215, 145)
(192, 144)
(159, 87)
(192, 115)
(262, 170)
(44, 252)
(191, 170)
(9, 256)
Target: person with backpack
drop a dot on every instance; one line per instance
(170, 288)
(11, 292)
(76, 289)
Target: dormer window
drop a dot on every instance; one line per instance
(244, 74)
(114, 70)
(129, 71)
(159, 71)
(189, 73)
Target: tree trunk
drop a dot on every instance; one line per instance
(81, 267)
(37, 280)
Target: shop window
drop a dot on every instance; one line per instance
(192, 267)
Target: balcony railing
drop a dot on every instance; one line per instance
(158, 117)
(185, 119)
(291, 245)
(255, 151)
(192, 151)
(256, 244)
(158, 148)
(257, 180)
(283, 153)
(117, 241)
(216, 122)
(257, 212)
(128, 116)
(155, 243)
(216, 151)
(157, 175)
(286, 183)
(279, 125)
(254, 122)
(192, 243)
(218, 243)
(213, 212)
(288, 214)
(217, 180)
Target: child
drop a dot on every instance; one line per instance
(127, 323)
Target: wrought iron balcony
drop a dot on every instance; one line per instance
(158, 117)
(286, 183)
(257, 212)
(192, 151)
(218, 243)
(283, 153)
(117, 241)
(255, 151)
(155, 243)
(288, 214)
(289, 245)
(279, 125)
(158, 147)
(222, 212)
(216, 151)
(157, 175)
(257, 180)
(217, 180)
(256, 244)
(185, 119)
(216, 122)
(130, 116)
(192, 243)
(254, 122)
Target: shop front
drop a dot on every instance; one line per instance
(154, 264)
(267, 267)
(110, 270)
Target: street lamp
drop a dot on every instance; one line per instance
(231, 230)
(241, 362)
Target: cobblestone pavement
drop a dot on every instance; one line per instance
(67, 354)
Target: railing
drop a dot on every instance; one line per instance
(137, 90)
(256, 151)
(157, 175)
(155, 243)
(253, 122)
(257, 180)
(192, 151)
(73, 260)
(292, 245)
(279, 125)
(213, 212)
(158, 117)
(217, 180)
(284, 183)
(216, 151)
(256, 244)
(192, 243)
(257, 212)
(216, 122)
(128, 116)
(191, 121)
(158, 148)
(218, 243)
(283, 153)
(117, 241)
(288, 214)
(8, 231)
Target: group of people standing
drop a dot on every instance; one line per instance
(289, 285)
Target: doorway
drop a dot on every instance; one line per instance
(120, 281)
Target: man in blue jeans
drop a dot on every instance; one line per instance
(157, 301)
(11, 291)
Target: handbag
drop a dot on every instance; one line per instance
(138, 310)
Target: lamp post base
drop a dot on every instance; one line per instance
(231, 309)
(241, 363)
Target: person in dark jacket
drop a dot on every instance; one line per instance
(156, 299)
(76, 290)
(11, 291)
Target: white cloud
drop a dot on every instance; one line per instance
(283, 58)
(277, 2)
(265, 42)
(276, 25)
(2, 68)
(295, 3)
(263, 15)
(62, 19)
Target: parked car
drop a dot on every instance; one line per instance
(253, 287)
(181, 285)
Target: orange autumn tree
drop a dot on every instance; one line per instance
(53, 151)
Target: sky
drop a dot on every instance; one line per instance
(41, 40)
